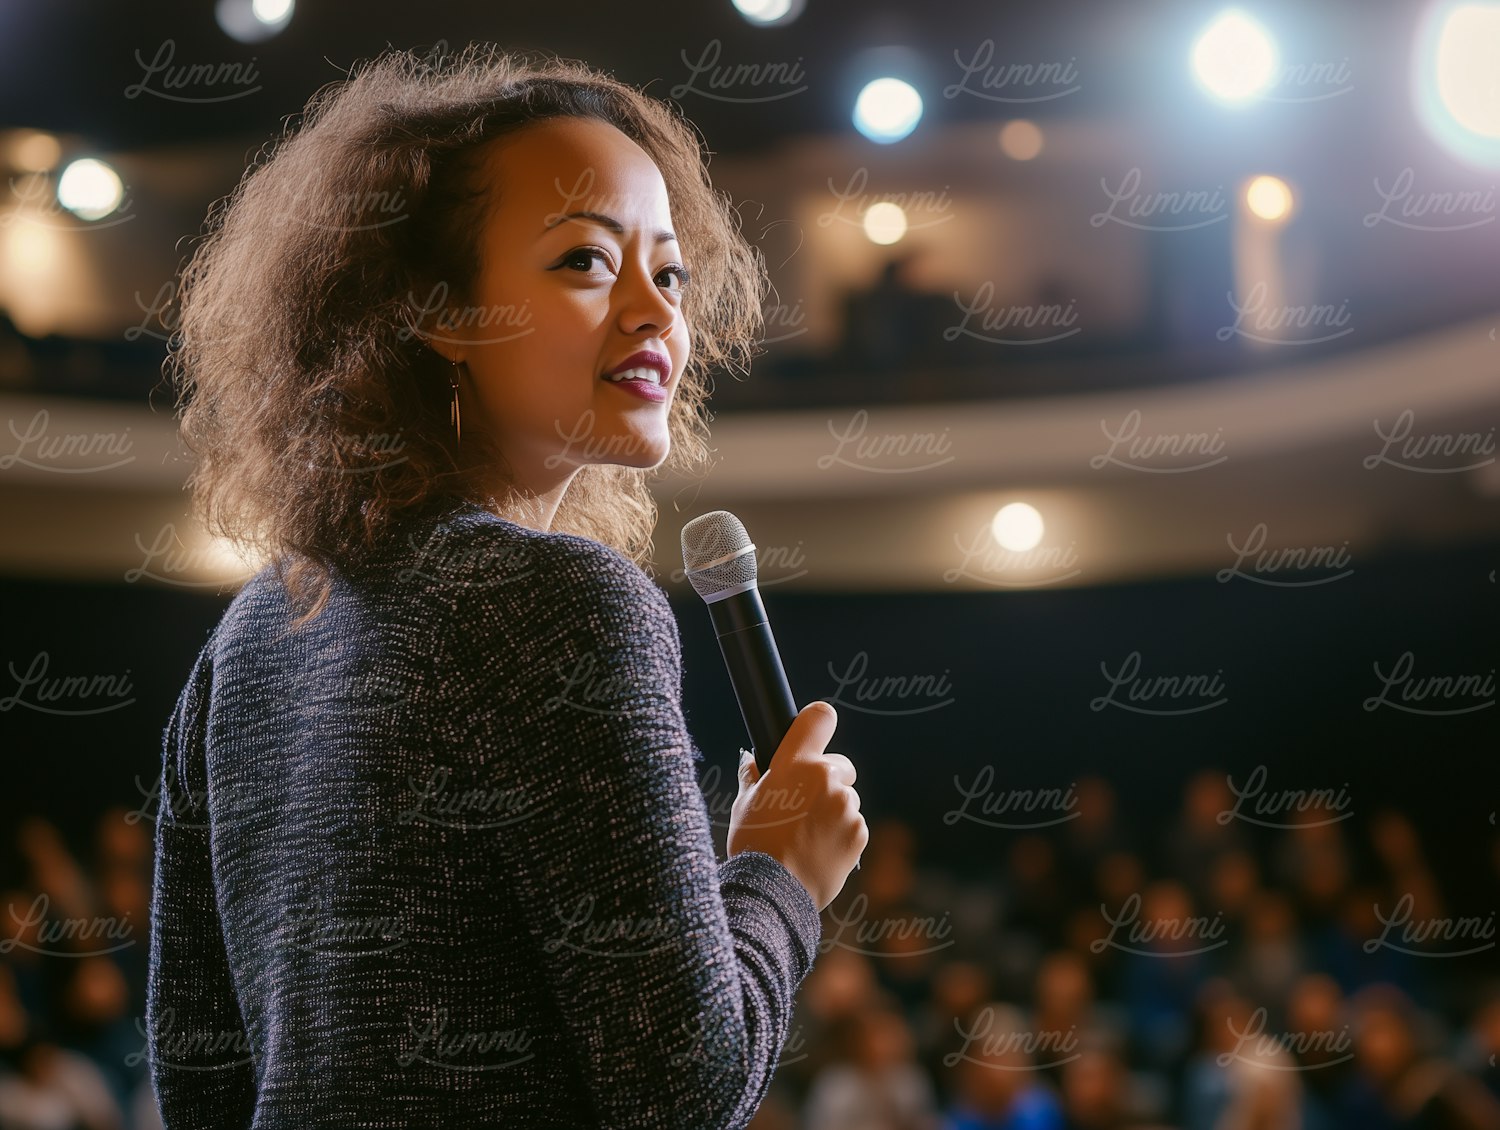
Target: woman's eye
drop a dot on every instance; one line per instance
(586, 254)
(684, 276)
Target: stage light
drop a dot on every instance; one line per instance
(89, 189)
(768, 13)
(887, 110)
(1269, 199)
(1457, 79)
(1468, 67)
(885, 223)
(271, 11)
(1235, 58)
(251, 21)
(1018, 527)
(1021, 140)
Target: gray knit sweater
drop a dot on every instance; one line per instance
(441, 859)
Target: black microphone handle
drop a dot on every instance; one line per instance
(755, 669)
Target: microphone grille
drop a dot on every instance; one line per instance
(717, 554)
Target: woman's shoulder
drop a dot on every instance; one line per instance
(468, 554)
(454, 578)
(483, 586)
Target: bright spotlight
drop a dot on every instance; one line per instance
(1234, 58)
(1269, 199)
(887, 110)
(885, 222)
(1021, 140)
(1468, 67)
(767, 13)
(89, 189)
(251, 21)
(1017, 527)
(1457, 77)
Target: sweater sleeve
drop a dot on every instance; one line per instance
(201, 1069)
(675, 976)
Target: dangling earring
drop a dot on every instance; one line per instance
(453, 411)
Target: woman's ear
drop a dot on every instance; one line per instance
(447, 350)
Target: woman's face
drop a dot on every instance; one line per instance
(563, 298)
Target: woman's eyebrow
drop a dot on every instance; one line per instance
(614, 225)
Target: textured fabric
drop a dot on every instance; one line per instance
(440, 858)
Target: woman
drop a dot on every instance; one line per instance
(434, 853)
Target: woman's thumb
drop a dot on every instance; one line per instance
(749, 771)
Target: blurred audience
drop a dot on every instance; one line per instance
(996, 1085)
(1250, 978)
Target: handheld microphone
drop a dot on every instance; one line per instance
(720, 562)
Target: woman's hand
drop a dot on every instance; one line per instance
(803, 810)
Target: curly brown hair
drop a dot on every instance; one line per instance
(331, 237)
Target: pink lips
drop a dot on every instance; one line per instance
(647, 358)
(644, 389)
